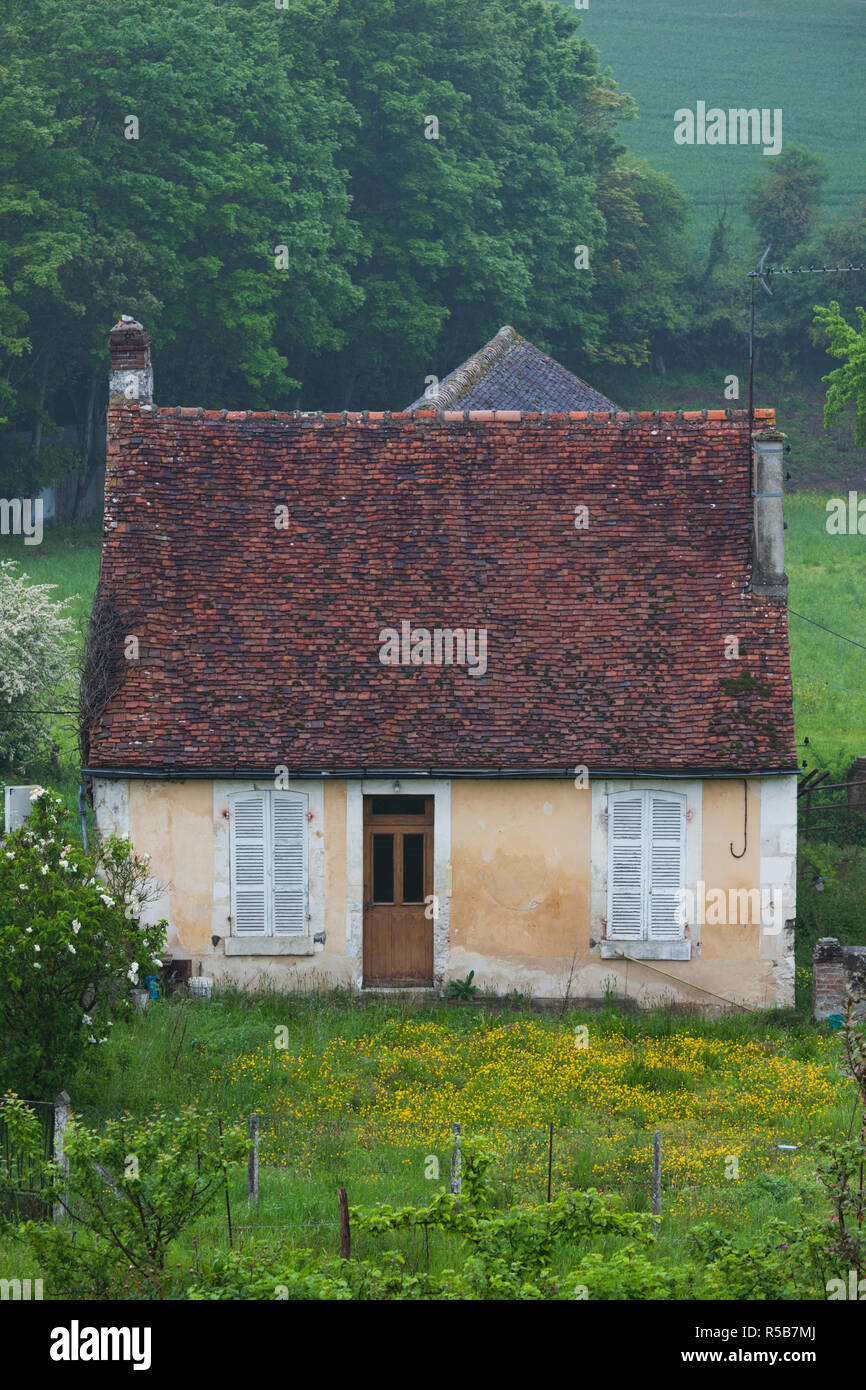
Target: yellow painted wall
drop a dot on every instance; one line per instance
(521, 890)
(723, 825)
(335, 867)
(520, 862)
(173, 822)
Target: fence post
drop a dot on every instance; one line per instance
(550, 1162)
(253, 1165)
(345, 1229)
(61, 1120)
(456, 1161)
(228, 1202)
(657, 1174)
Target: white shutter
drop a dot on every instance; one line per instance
(666, 863)
(290, 863)
(625, 866)
(249, 877)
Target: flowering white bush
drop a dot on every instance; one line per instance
(35, 658)
(68, 950)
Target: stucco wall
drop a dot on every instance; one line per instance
(520, 903)
(521, 871)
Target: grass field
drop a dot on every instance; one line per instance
(364, 1094)
(804, 57)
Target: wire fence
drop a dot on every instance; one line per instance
(22, 1182)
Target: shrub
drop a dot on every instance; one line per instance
(35, 658)
(70, 947)
(133, 1189)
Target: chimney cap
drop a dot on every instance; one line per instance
(127, 321)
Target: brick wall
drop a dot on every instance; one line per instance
(839, 974)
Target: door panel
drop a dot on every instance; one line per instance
(398, 876)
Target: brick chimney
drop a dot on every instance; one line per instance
(131, 378)
(768, 575)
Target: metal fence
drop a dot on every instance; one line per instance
(21, 1182)
(832, 810)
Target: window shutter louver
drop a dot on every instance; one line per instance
(625, 867)
(666, 856)
(290, 864)
(249, 878)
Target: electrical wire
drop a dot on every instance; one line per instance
(831, 630)
(821, 681)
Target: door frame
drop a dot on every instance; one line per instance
(440, 789)
(398, 824)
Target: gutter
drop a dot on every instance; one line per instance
(181, 774)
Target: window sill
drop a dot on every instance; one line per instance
(647, 950)
(270, 946)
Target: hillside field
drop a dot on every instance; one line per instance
(804, 57)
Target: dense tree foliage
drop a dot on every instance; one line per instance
(158, 158)
(319, 203)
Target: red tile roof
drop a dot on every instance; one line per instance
(259, 647)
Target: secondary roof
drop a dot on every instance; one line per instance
(508, 373)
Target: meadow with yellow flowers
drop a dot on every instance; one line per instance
(365, 1094)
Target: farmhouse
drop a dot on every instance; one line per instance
(318, 816)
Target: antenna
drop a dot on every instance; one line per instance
(756, 274)
(762, 274)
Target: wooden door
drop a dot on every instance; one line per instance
(398, 876)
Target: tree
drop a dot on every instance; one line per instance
(184, 148)
(35, 662)
(848, 382)
(784, 202)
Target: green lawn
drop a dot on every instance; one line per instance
(827, 583)
(67, 558)
(804, 57)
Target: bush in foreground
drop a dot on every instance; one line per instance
(71, 946)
